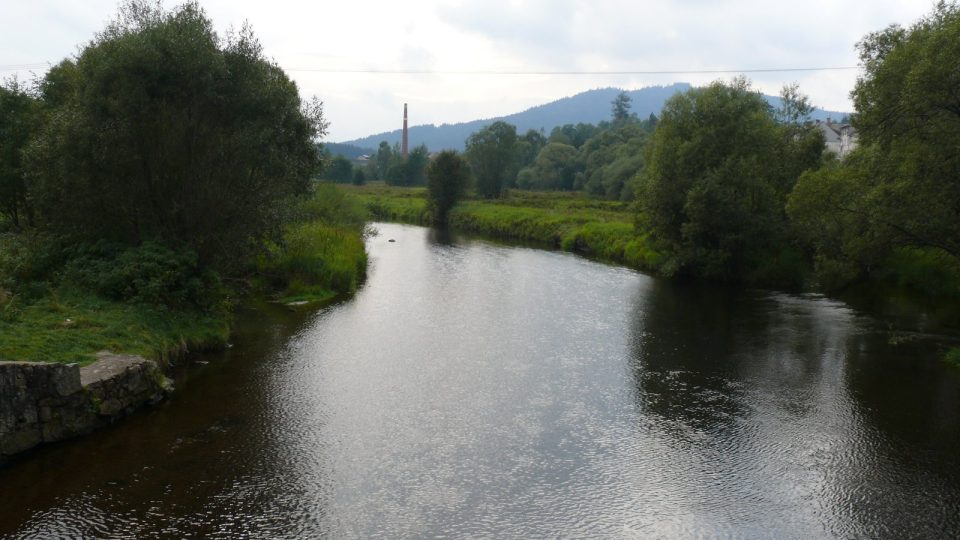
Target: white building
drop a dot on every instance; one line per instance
(841, 139)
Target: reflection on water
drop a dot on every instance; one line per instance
(477, 390)
(764, 395)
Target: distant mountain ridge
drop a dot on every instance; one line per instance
(590, 107)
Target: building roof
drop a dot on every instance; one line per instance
(832, 131)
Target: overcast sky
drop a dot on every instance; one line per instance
(487, 35)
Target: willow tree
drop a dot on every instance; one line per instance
(718, 171)
(164, 131)
(491, 153)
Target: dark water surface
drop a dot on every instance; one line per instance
(473, 390)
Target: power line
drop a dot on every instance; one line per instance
(571, 72)
(496, 72)
(24, 67)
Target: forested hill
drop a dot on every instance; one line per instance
(349, 151)
(591, 107)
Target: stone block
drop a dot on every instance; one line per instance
(51, 402)
(18, 441)
(66, 379)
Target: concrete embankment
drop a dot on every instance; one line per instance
(46, 402)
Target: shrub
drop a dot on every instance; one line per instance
(148, 274)
(953, 356)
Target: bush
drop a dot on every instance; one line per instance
(953, 356)
(639, 253)
(929, 271)
(147, 274)
(28, 263)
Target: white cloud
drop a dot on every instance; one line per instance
(536, 35)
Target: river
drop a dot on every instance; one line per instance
(477, 390)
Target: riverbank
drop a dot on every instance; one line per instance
(64, 304)
(69, 326)
(568, 221)
(564, 384)
(69, 305)
(50, 402)
(914, 290)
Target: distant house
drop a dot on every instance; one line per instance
(841, 139)
(362, 160)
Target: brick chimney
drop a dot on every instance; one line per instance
(404, 144)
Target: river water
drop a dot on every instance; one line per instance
(477, 390)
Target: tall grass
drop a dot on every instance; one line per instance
(315, 262)
(321, 253)
(391, 203)
(68, 325)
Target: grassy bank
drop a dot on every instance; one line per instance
(569, 221)
(68, 325)
(321, 254)
(63, 303)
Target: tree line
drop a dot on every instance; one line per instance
(898, 195)
(727, 187)
(388, 165)
(599, 159)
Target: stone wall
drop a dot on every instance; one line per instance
(45, 402)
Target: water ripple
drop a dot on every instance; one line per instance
(472, 390)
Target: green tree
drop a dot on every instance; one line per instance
(370, 170)
(409, 171)
(60, 83)
(528, 146)
(901, 187)
(829, 211)
(20, 118)
(340, 170)
(447, 179)
(718, 171)
(396, 173)
(651, 123)
(575, 135)
(554, 169)
(491, 153)
(611, 160)
(359, 177)
(620, 109)
(383, 159)
(163, 131)
(795, 107)
(416, 166)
